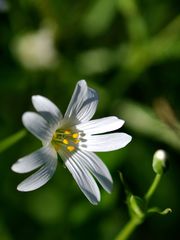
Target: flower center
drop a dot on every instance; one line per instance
(65, 137)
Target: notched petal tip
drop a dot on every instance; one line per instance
(82, 82)
(17, 168)
(109, 187)
(128, 138)
(21, 188)
(37, 95)
(14, 167)
(94, 199)
(24, 117)
(97, 168)
(121, 122)
(38, 99)
(95, 203)
(34, 97)
(28, 117)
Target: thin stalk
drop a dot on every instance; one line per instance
(11, 140)
(128, 229)
(153, 187)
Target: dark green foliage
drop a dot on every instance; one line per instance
(129, 51)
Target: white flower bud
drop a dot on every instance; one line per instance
(159, 161)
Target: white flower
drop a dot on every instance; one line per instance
(36, 50)
(74, 137)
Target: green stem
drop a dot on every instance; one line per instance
(9, 141)
(153, 187)
(128, 229)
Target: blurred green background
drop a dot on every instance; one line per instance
(129, 51)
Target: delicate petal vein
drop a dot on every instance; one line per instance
(95, 165)
(37, 125)
(40, 177)
(33, 160)
(106, 142)
(101, 125)
(82, 177)
(47, 109)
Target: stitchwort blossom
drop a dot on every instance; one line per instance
(75, 138)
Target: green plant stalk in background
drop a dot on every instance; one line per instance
(128, 229)
(13, 139)
(135, 219)
(153, 187)
(138, 207)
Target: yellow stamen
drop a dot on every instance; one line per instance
(70, 148)
(75, 135)
(65, 141)
(67, 132)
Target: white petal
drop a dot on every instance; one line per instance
(37, 125)
(33, 160)
(89, 106)
(42, 176)
(101, 125)
(77, 99)
(95, 165)
(106, 142)
(82, 177)
(83, 103)
(47, 109)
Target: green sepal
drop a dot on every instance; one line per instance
(159, 211)
(125, 185)
(137, 207)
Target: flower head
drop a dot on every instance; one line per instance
(160, 163)
(74, 137)
(42, 54)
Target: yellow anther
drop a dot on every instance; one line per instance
(67, 132)
(70, 148)
(76, 141)
(75, 135)
(65, 141)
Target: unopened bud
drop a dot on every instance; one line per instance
(159, 161)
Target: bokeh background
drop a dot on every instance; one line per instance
(129, 51)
